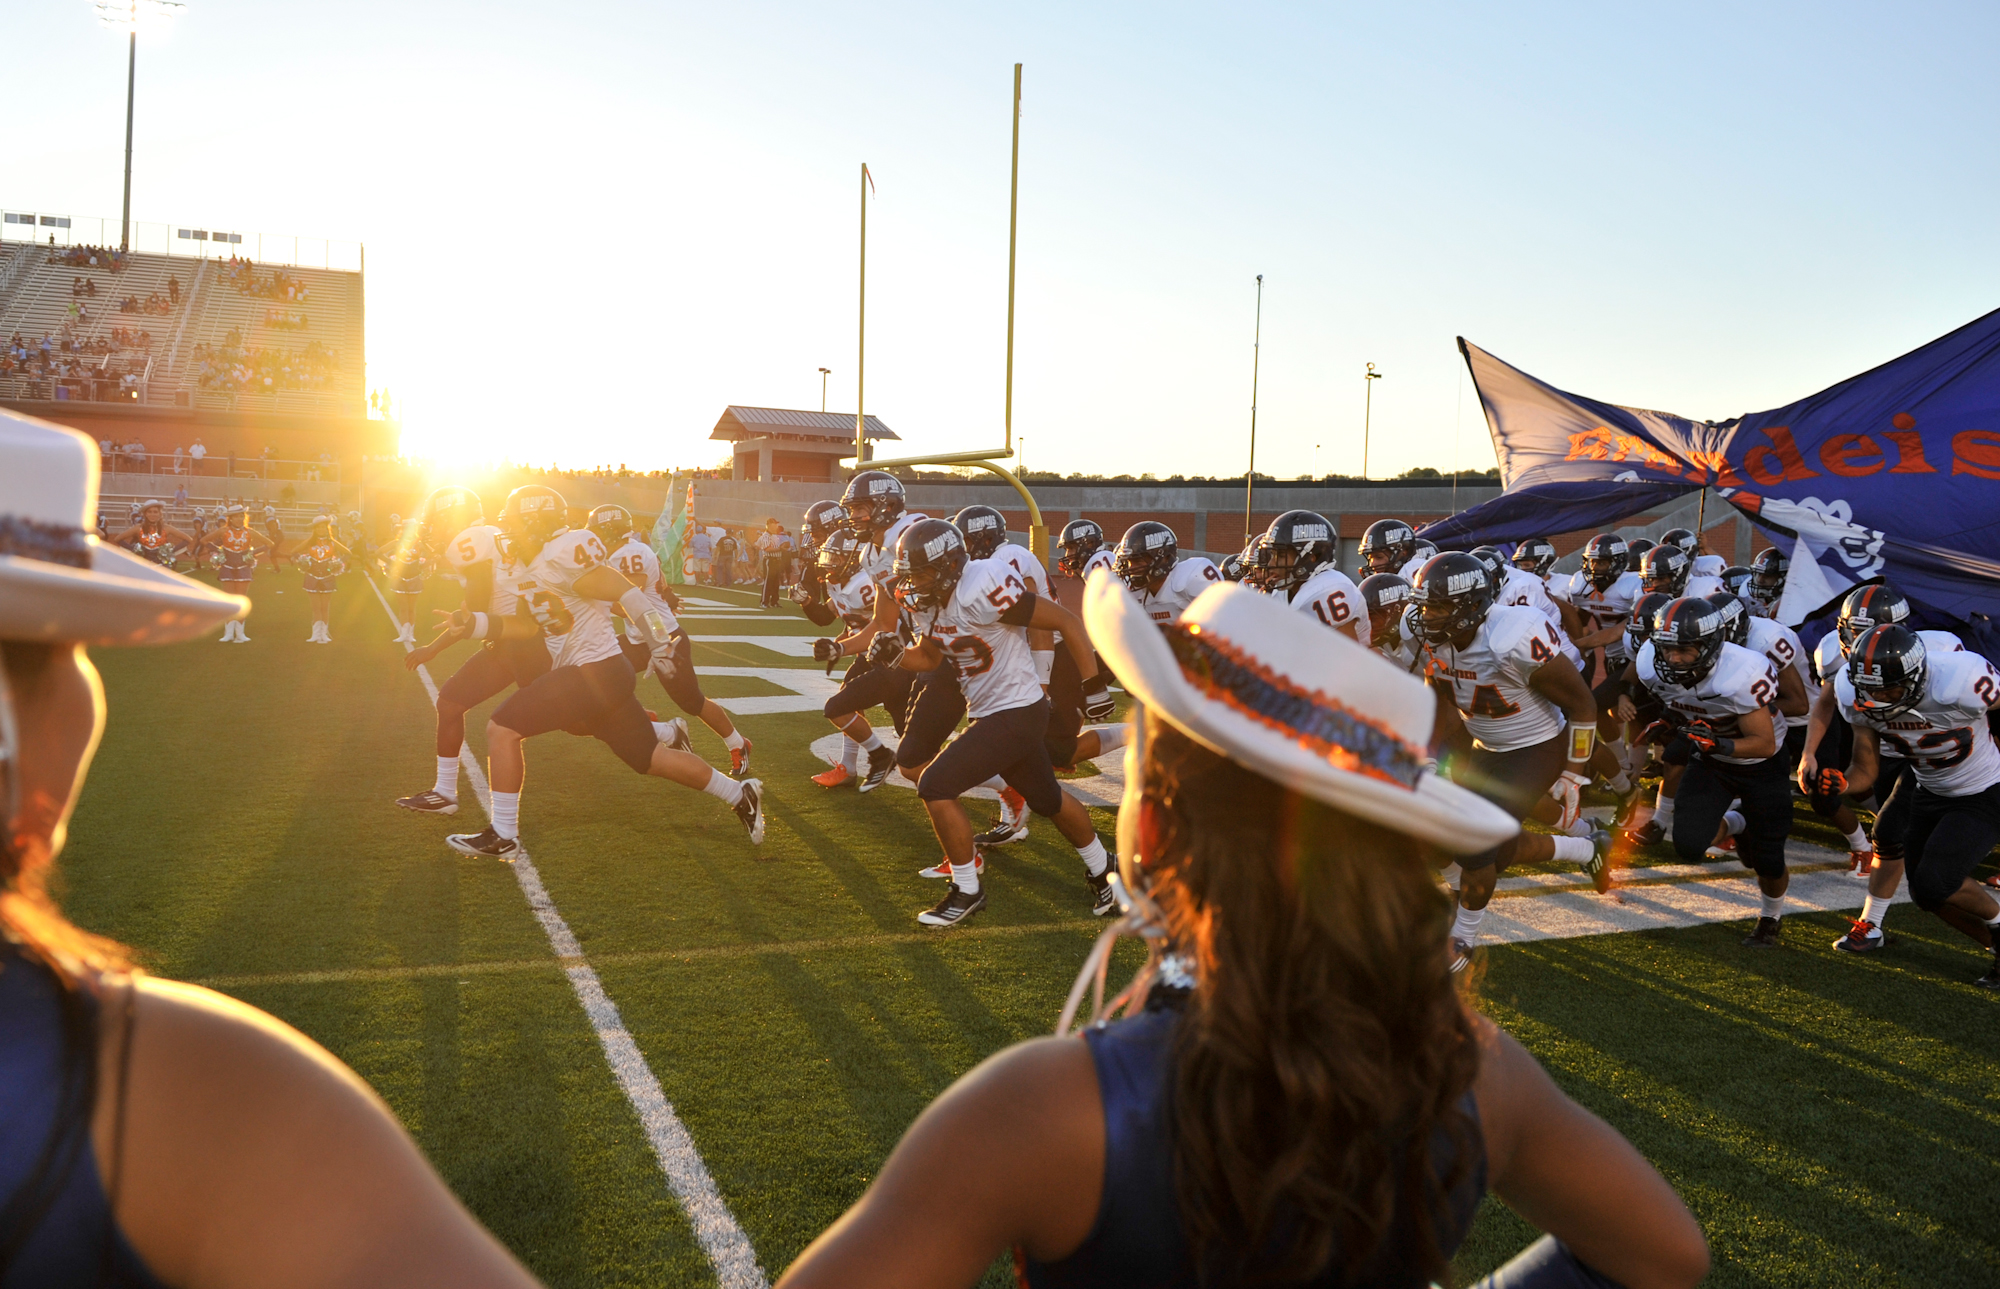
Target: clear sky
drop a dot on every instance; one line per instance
(590, 228)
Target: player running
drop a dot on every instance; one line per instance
(1767, 579)
(153, 538)
(1148, 562)
(237, 544)
(974, 616)
(1933, 708)
(1296, 560)
(673, 666)
(1721, 700)
(566, 591)
(1390, 633)
(1522, 724)
(321, 559)
(843, 593)
(1668, 570)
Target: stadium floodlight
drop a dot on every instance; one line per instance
(1367, 413)
(126, 15)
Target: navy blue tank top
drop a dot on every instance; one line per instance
(1137, 1241)
(55, 1220)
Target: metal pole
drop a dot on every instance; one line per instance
(131, 81)
(1256, 346)
(1013, 220)
(824, 372)
(1367, 413)
(861, 331)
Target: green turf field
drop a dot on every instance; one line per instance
(1830, 1121)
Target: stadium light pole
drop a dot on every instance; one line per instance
(824, 372)
(1367, 413)
(1256, 347)
(126, 14)
(861, 333)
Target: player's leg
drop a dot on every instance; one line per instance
(1034, 778)
(865, 686)
(1948, 838)
(624, 728)
(1699, 806)
(935, 707)
(985, 748)
(481, 676)
(1766, 813)
(685, 689)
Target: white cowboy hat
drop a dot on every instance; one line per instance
(58, 582)
(1278, 693)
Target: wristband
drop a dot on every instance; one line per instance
(1045, 661)
(1582, 738)
(480, 623)
(1725, 747)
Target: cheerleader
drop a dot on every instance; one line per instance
(321, 559)
(153, 537)
(409, 561)
(237, 545)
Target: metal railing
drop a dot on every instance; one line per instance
(190, 241)
(135, 459)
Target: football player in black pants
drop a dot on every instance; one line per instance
(1722, 700)
(1518, 719)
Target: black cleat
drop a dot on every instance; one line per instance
(1765, 936)
(954, 908)
(676, 736)
(1461, 956)
(1862, 937)
(881, 763)
(1647, 834)
(750, 809)
(1991, 980)
(429, 802)
(487, 844)
(1002, 833)
(1103, 902)
(1599, 867)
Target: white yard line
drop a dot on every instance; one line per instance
(727, 1247)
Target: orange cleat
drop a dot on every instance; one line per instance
(833, 777)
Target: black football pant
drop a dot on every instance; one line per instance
(1514, 781)
(1009, 744)
(1949, 837)
(1706, 791)
(937, 705)
(595, 699)
(868, 685)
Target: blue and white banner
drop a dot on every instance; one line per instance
(1895, 472)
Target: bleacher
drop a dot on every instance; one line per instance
(35, 298)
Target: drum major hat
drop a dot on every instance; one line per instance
(58, 582)
(1278, 693)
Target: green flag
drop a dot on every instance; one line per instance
(670, 530)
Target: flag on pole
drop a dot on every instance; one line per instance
(670, 530)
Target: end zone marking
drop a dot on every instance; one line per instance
(727, 1247)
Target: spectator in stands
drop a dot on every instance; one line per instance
(173, 288)
(701, 553)
(197, 452)
(180, 491)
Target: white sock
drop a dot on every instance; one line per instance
(966, 876)
(1663, 808)
(1993, 921)
(734, 740)
(1574, 850)
(447, 780)
(1771, 906)
(871, 743)
(1583, 827)
(722, 786)
(1734, 822)
(1094, 857)
(1452, 875)
(1110, 738)
(507, 813)
(996, 783)
(1858, 839)
(1621, 783)
(1875, 908)
(1466, 925)
(663, 731)
(850, 754)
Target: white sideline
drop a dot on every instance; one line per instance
(727, 1247)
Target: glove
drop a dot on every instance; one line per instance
(1567, 791)
(1700, 733)
(1098, 704)
(884, 649)
(1657, 732)
(1831, 782)
(663, 664)
(799, 595)
(825, 650)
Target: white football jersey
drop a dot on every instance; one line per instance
(1489, 679)
(547, 594)
(1100, 558)
(1945, 736)
(1601, 606)
(1189, 579)
(994, 666)
(1741, 681)
(641, 567)
(1703, 585)
(1522, 589)
(1780, 644)
(1406, 652)
(1331, 596)
(853, 600)
(480, 544)
(1416, 564)
(1709, 566)
(1025, 566)
(878, 559)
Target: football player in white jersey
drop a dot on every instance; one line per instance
(974, 616)
(1082, 549)
(1391, 546)
(1387, 599)
(841, 592)
(1721, 700)
(1148, 561)
(1525, 724)
(673, 666)
(1829, 745)
(1668, 570)
(1518, 588)
(1933, 709)
(566, 591)
(925, 710)
(1603, 592)
(1700, 562)
(1296, 560)
(452, 526)
(1768, 572)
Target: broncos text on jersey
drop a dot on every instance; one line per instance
(1945, 737)
(1332, 597)
(992, 659)
(1188, 580)
(1489, 679)
(547, 593)
(1741, 681)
